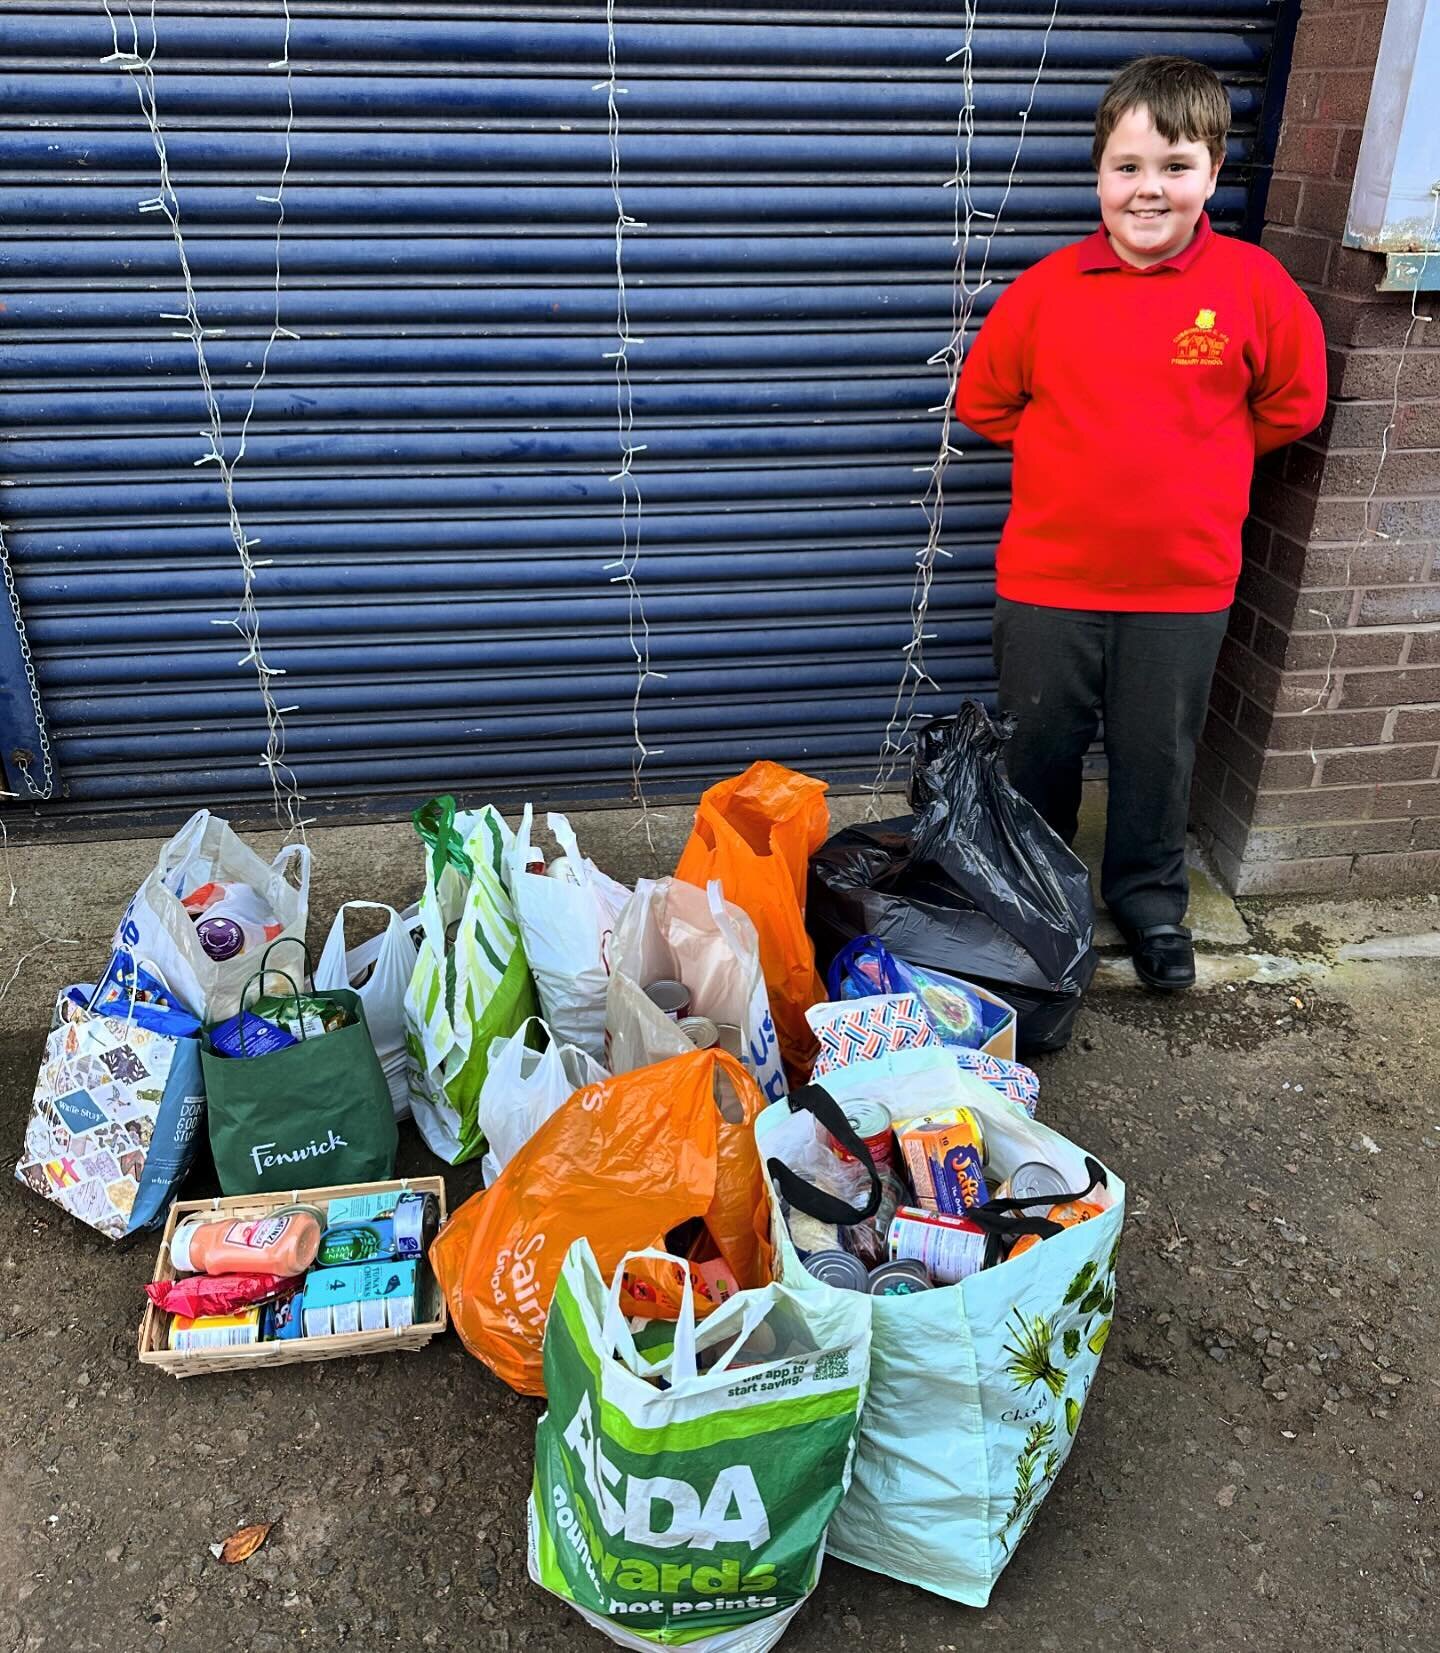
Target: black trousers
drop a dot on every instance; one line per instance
(1148, 675)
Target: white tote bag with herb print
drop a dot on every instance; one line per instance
(976, 1389)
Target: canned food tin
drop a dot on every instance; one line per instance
(898, 1279)
(701, 1032)
(673, 997)
(870, 1121)
(416, 1222)
(950, 1248)
(1034, 1180)
(838, 1268)
(730, 1038)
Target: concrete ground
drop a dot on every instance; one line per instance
(1257, 1468)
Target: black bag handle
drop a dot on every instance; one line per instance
(1004, 1218)
(804, 1196)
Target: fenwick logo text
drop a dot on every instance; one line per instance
(267, 1154)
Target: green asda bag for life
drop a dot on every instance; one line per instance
(696, 1512)
(976, 1389)
(468, 992)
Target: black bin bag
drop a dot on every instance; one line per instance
(974, 883)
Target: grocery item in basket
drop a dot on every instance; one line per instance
(898, 1279)
(282, 1319)
(280, 1242)
(215, 1331)
(950, 1248)
(342, 1243)
(944, 1157)
(362, 1297)
(203, 1294)
(809, 1234)
(413, 1215)
(1067, 1214)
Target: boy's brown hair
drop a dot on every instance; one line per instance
(1186, 101)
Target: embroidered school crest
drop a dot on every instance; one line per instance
(1200, 344)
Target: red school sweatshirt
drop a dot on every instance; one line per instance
(1136, 402)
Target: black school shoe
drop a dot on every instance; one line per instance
(1164, 957)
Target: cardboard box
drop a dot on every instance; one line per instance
(431, 1317)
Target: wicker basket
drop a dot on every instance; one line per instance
(184, 1363)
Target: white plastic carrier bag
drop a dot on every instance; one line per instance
(379, 970)
(671, 931)
(208, 970)
(524, 1086)
(566, 916)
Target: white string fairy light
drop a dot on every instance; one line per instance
(963, 296)
(637, 625)
(284, 788)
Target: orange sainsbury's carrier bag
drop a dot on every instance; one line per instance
(621, 1164)
(756, 833)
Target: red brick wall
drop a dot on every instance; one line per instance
(1320, 768)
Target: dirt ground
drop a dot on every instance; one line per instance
(1257, 1467)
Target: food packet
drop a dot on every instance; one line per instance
(201, 1295)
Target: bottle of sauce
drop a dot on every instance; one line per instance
(281, 1242)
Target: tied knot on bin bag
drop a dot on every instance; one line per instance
(975, 883)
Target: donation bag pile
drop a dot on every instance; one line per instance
(118, 1104)
(210, 908)
(567, 913)
(673, 931)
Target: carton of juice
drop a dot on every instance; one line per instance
(944, 1161)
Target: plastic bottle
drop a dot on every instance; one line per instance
(280, 1242)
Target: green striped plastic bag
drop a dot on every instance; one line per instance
(471, 991)
(694, 1513)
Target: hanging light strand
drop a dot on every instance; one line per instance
(964, 292)
(140, 67)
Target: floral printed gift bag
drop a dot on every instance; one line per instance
(976, 1389)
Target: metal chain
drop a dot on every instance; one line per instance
(22, 760)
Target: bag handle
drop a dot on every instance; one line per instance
(804, 1196)
(852, 950)
(564, 835)
(616, 1334)
(250, 982)
(1003, 1218)
(435, 822)
(289, 853)
(715, 899)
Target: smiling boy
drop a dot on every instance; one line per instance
(1136, 375)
